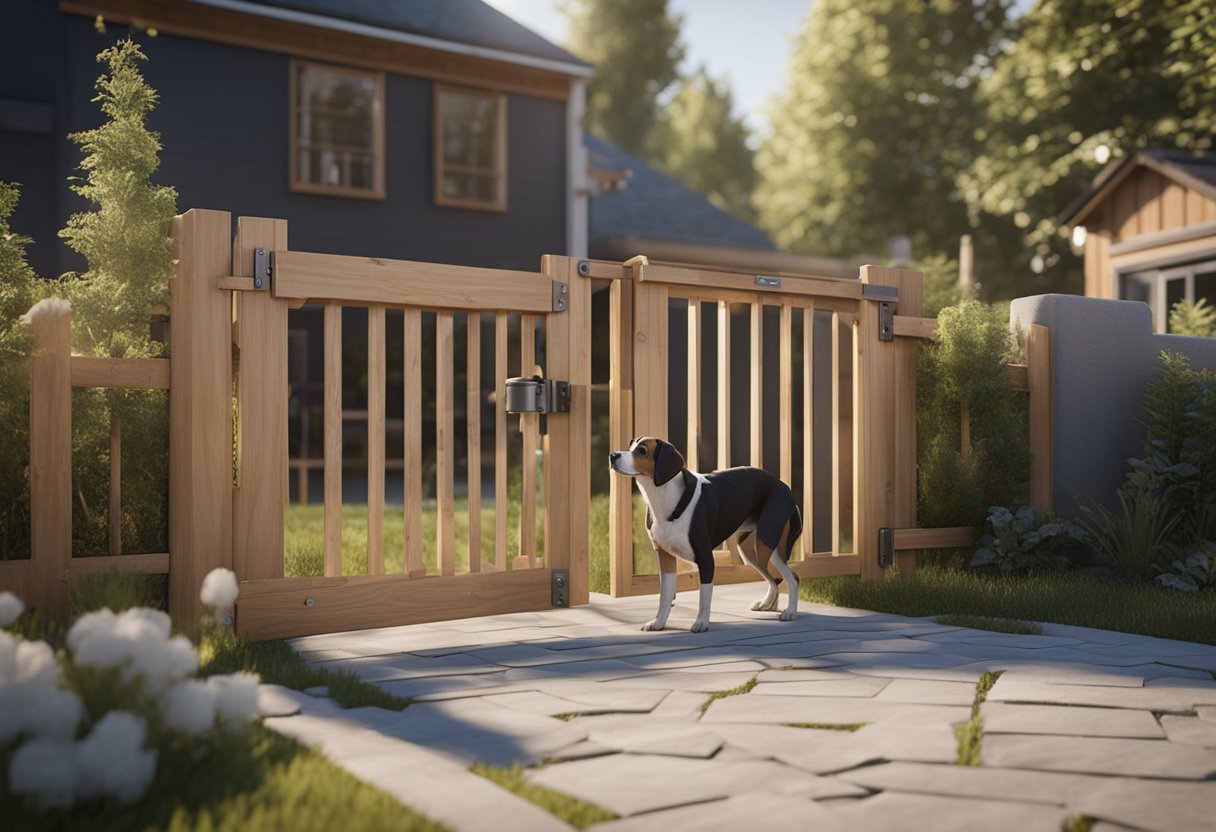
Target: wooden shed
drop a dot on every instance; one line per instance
(1149, 230)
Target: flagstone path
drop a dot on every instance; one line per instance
(1118, 727)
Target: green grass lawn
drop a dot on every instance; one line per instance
(1055, 597)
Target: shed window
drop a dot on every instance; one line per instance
(470, 148)
(1162, 288)
(337, 130)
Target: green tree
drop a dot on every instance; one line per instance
(1081, 83)
(19, 288)
(876, 123)
(635, 47)
(125, 241)
(699, 141)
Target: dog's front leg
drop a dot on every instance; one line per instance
(667, 590)
(705, 569)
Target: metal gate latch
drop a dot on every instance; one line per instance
(263, 268)
(886, 322)
(561, 588)
(537, 395)
(886, 547)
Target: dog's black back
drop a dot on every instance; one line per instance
(732, 496)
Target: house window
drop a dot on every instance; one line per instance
(1162, 288)
(337, 130)
(470, 148)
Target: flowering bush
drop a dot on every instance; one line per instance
(90, 722)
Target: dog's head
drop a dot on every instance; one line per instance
(648, 457)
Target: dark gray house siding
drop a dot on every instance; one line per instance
(223, 119)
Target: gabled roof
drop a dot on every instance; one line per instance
(653, 206)
(1193, 170)
(469, 22)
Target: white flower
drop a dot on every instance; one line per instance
(220, 589)
(137, 640)
(10, 608)
(46, 770)
(236, 697)
(38, 711)
(36, 664)
(189, 706)
(111, 760)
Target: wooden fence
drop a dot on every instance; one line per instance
(228, 424)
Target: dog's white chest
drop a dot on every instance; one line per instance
(672, 535)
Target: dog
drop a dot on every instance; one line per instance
(689, 514)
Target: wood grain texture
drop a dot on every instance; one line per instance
(501, 499)
(825, 287)
(276, 608)
(17, 576)
(959, 537)
(1038, 361)
(529, 427)
(473, 427)
(376, 380)
(835, 416)
(785, 396)
(756, 380)
(50, 469)
(913, 326)
(620, 429)
(911, 304)
(200, 408)
(414, 563)
(337, 277)
(692, 442)
(122, 373)
(808, 433)
(333, 440)
(723, 393)
(143, 564)
(445, 463)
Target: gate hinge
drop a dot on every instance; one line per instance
(886, 322)
(561, 296)
(263, 268)
(561, 587)
(886, 547)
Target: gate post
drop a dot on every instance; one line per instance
(884, 413)
(200, 407)
(260, 499)
(50, 459)
(568, 442)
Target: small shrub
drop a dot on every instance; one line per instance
(1192, 572)
(1030, 539)
(1197, 319)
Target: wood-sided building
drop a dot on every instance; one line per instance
(1148, 226)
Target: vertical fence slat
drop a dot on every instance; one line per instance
(808, 438)
(650, 357)
(723, 384)
(911, 303)
(785, 416)
(501, 500)
(620, 426)
(200, 408)
(473, 421)
(445, 538)
(115, 484)
(415, 563)
(756, 426)
(1038, 371)
(262, 395)
(376, 372)
(50, 461)
(333, 440)
(836, 487)
(691, 454)
(529, 426)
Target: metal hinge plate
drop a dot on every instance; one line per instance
(263, 269)
(561, 587)
(561, 296)
(886, 547)
(886, 322)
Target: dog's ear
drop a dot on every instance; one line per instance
(667, 462)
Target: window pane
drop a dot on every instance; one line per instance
(1175, 290)
(1135, 288)
(470, 186)
(335, 125)
(469, 129)
(1205, 287)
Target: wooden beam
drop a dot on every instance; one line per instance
(913, 326)
(279, 608)
(336, 277)
(620, 431)
(414, 560)
(959, 537)
(151, 564)
(473, 433)
(376, 383)
(121, 373)
(445, 444)
(824, 287)
(911, 303)
(333, 440)
(1018, 377)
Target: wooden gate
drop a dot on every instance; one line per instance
(265, 281)
(876, 319)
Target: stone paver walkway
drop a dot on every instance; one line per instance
(1115, 726)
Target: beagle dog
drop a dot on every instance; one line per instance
(689, 514)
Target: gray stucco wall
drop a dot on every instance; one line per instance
(1103, 354)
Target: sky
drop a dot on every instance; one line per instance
(745, 43)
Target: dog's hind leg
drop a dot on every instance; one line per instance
(777, 558)
(769, 602)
